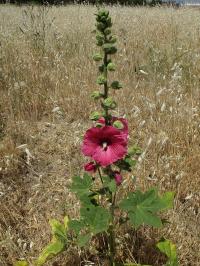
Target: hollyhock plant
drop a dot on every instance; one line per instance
(102, 208)
(105, 145)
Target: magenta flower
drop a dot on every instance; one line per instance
(118, 178)
(105, 145)
(90, 167)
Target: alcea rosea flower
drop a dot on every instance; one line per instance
(90, 167)
(104, 145)
(118, 178)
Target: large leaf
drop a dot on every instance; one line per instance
(58, 230)
(169, 249)
(51, 250)
(109, 183)
(131, 264)
(58, 242)
(142, 208)
(76, 225)
(21, 263)
(97, 218)
(83, 239)
(81, 186)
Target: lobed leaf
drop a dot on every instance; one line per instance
(83, 239)
(51, 250)
(97, 218)
(169, 249)
(76, 225)
(21, 263)
(142, 208)
(81, 186)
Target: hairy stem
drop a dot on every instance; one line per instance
(105, 62)
(112, 232)
(99, 172)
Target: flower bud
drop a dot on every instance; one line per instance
(118, 178)
(103, 12)
(97, 57)
(116, 85)
(118, 124)
(101, 26)
(107, 31)
(96, 95)
(102, 120)
(109, 103)
(101, 80)
(109, 48)
(111, 67)
(112, 40)
(95, 116)
(90, 167)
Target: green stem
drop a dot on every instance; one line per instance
(100, 174)
(111, 231)
(105, 61)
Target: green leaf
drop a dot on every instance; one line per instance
(116, 85)
(83, 239)
(58, 242)
(51, 250)
(21, 263)
(80, 185)
(96, 217)
(169, 249)
(109, 183)
(126, 164)
(58, 230)
(135, 150)
(130, 264)
(112, 186)
(66, 223)
(142, 208)
(76, 225)
(130, 161)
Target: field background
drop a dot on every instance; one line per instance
(46, 76)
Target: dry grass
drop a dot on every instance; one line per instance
(47, 63)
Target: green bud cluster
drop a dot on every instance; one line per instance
(106, 41)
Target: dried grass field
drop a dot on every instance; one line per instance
(46, 77)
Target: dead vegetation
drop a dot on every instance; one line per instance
(46, 76)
